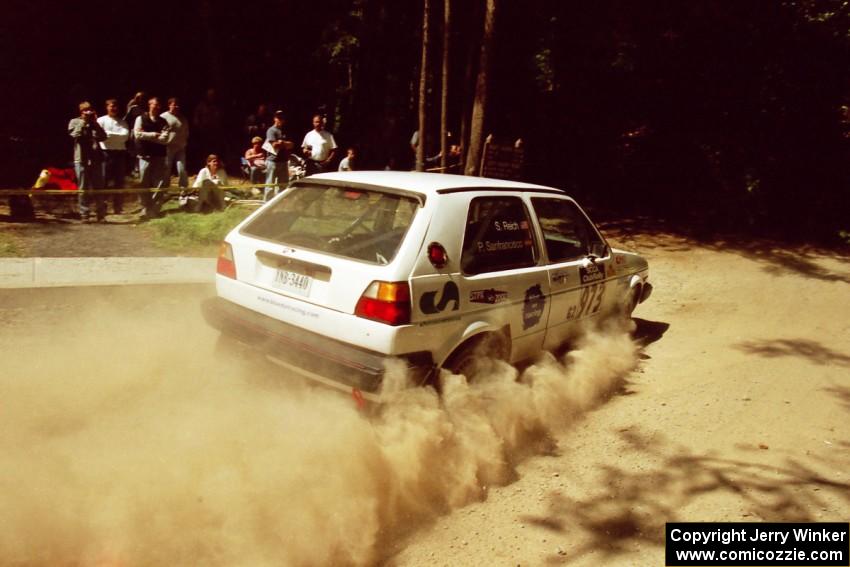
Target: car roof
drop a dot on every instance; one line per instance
(427, 183)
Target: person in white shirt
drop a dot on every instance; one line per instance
(319, 147)
(209, 183)
(347, 163)
(116, 157)
(176, 150)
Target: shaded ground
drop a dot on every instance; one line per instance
(66, 239)
(57, 233)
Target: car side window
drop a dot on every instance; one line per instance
(567, 233)
(497, 236)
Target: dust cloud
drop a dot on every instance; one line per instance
(125, 441)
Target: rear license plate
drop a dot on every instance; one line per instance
(292, 282)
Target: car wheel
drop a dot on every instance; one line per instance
(632, 300)
(477, 357)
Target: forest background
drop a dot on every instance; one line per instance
(726, 114)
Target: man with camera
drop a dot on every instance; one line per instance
(88, 160)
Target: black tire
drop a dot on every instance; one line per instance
(476, 357)
(631, 303)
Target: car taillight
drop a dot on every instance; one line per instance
(387, 302)
(225, 265)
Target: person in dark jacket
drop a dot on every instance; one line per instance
(88, 160)
(152, 134)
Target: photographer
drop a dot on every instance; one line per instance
(88, 160)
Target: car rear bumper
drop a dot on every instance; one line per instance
(314, 356)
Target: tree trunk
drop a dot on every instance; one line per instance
(479, 106)
(466, 102)
(469, 21)
(444, 106)
(423, 91)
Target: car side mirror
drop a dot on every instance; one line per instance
(597, 249)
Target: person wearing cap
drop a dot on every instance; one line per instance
(256, 158)
(88, 160)
(277, 147)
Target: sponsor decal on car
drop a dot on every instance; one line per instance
(296, 309)
(510, 225)
(560, 278)
(591, 274)
(499, 245)
(532, 307)
(490, 296)
(450, 293)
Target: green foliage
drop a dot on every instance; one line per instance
(9, 247)
(196, 233)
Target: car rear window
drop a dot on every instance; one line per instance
(356, 223)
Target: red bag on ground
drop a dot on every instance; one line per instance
(57, 178)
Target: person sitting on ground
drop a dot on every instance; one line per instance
(347, 163)
(209, 183)
(256, 158)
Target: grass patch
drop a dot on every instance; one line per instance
(192, 233)
(9, 247)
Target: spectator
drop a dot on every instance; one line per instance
(452, 162)
(209, 183)
(256, 158)
(175, 153)
(347, 163)
(88, 160)
(319, 147)
(277, 147)
(152, 132)
(135, 107)
(115, 153)
(258, 124)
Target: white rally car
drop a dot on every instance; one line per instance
(343, 271)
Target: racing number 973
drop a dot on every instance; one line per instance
(589, 302)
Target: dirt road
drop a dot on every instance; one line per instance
(738, 412)
(124, 441)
